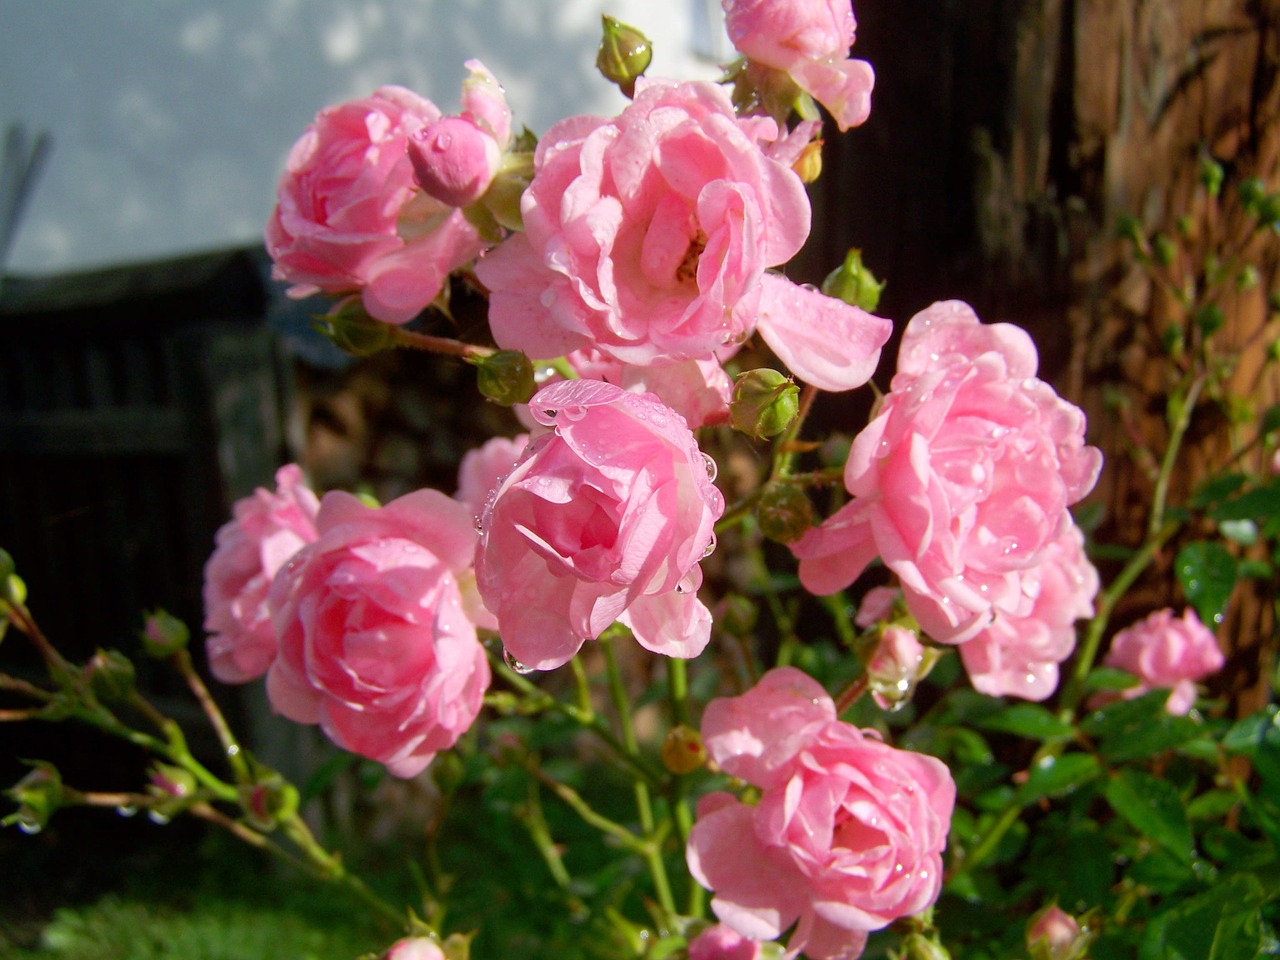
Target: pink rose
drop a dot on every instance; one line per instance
(376, 622)
(414, 948)
(604, 518)
(1166, 653)
(1019, 656)
(483, 468)
(349, 218)
(962, 481)
(848, 833)
(455, 158)
(267, 530)
(719, 942)
(809, 40)
(647, 238)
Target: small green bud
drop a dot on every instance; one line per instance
(172, 787)
(111, 676)
(919, 947)
(682, 749)
(1211, 175)
(1252, 192)
(1165, 249)
(1209, 319)
(785, 512)
(1173, 340)
(163, 634)
(7, 566)
(12, 589)
(353, 331)
(1130, 228)
(37, 795)
(1269, 210)
(624, 55)
(505, 377)
(765, 402)
(737, 615)
(269, 801)
(853, 283)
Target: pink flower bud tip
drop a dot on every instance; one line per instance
(454, 160)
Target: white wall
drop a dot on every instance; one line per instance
(171, 118)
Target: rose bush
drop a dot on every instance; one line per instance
(962, 481)
(376, 622)
(266, 530)
(349, 218)
(848, 832)
(604, 518)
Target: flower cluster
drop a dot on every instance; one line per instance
(627, 260)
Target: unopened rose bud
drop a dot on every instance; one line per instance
(502, 200)
(785, 512)
(37, 795)
(349, 328)
(454, 160)
(919, 947)
(1055, 935)
(111, 675)
(682, 750)
(853, 283)
(808, 165)
(624, 56)
(765, 402)
(415, 948)
(163, 634)
(505, 377)
(269, 801)
(897, 664)
(171, 783)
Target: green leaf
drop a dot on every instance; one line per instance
(1257, 504)
(1133, 729)
(1153, 808)
(1056, 776)
(1207, 572)
(1222, 924)
(1257, 736)
(1110, 678)
(1027, 720)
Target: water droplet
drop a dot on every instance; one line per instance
(711, 547)
(126, 809)
(233, 750)
(550, 413)
(155, 816)
(713, 468)
(924, 874)
(685, 585)
(515, 664)
(898, 868)
(28, 825)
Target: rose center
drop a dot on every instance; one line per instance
(688, 267)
